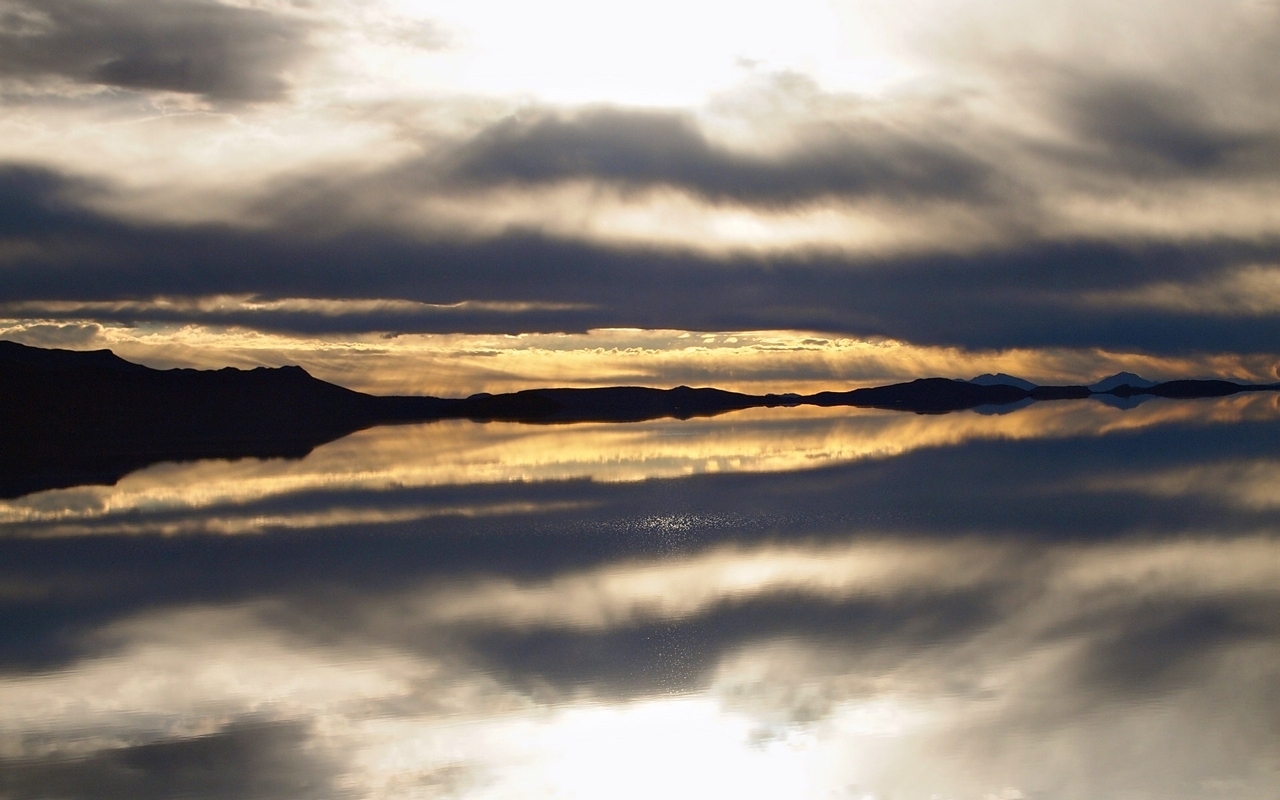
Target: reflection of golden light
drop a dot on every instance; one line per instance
(235, 524)
(459, 452)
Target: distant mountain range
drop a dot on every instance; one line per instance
(1001, 379)
(1106, 385)
(74, 417)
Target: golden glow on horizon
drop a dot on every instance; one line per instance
(457, 365)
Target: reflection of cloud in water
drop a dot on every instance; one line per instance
(966, 622)
(1050, 696)
(622, 594)
(1252, 484)
(460, 453)
(230, 525)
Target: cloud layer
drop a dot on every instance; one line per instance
(1040, 191)
(1084, 293)
(221, 52)
(643, 149)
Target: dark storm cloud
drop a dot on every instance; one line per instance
(638, 149)
(36, 202)
(1151, 127)
(53, 246)
(243, 761)
(390, 321)
(221, 52)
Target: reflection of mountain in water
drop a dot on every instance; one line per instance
(74, 418)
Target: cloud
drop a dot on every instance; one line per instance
(1148, 127)
(220, 52)
(1173, 644)
(293, 314)
(56, 246)
(72, 335)
(1252, 290)
(1250, 484)
(245, 760)
(652, 148)
(639, 659)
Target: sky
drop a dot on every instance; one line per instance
(455, 197)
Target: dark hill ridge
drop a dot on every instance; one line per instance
(69, 417)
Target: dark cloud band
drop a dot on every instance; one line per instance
(223, 53)
(1147, 128)
(1025, 295)
(645, 149)
(246, 760)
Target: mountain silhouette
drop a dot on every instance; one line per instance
(1002, 379)
(70, 418)
(1121, 379)
(90, 417)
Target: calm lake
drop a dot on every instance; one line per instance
(1064, 600)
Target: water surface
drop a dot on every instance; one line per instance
(1066, 600)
